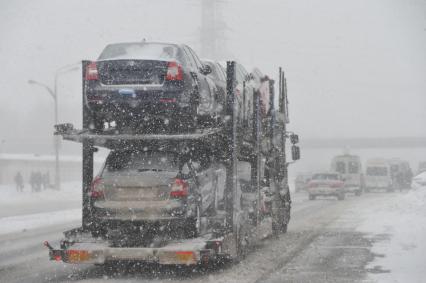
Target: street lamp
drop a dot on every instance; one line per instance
(54, 94)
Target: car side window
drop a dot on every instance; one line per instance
(196, 59)
(221, 73)
(190, 59)
(239, 74)
(182, 58)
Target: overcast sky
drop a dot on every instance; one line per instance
(354, 68)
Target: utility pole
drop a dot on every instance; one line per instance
(212, 33)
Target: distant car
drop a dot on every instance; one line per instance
(326, 184)
(378, 175)
(301, 182)
(154, 192)
(401, 173)
(149, 85)
(419, 181)
(349, 166)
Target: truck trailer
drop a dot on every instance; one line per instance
(255, 201)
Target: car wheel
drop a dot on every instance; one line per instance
(341, 196)
(358, 193)
(312, 197)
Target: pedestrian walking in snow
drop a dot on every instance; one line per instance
(33, 181)
(19, 181)
(37, 181)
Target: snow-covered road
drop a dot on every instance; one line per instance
(359, 239)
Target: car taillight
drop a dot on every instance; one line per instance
(179, 188)
(174, 72)
(92, 72)
(97, 190)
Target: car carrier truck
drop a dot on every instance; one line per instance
(256, 199)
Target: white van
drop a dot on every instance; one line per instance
(349, 166)
(378, 175)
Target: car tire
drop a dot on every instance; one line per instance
(312, 197)
(358, 193)
(341, 196)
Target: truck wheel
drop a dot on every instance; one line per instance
(312, 197)
(341, 196)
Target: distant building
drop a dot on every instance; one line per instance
(70, 166)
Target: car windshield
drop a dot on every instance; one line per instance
(136, 161)
(340, 167)
(353, 167)
(377, 171)
(325, 177)
(150, 51)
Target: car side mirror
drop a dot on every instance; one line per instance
(295, 152)
(206, 69)
(294, 138)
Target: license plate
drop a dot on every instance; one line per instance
(135, 194)
(127, 92)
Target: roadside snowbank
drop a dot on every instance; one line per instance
(69, 191)
(22, 223)
(27, 210)
(404, 254)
